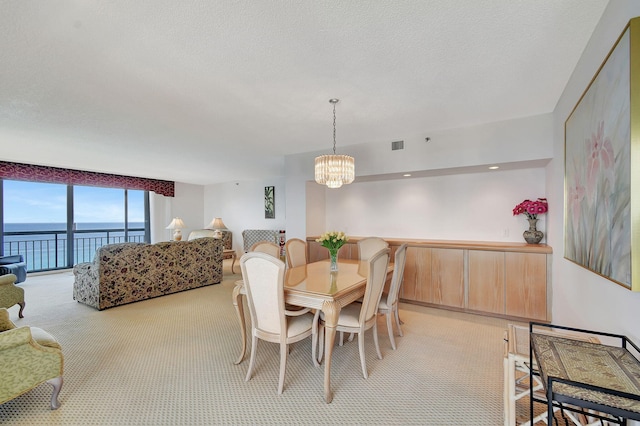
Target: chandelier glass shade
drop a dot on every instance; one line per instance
(334, 170)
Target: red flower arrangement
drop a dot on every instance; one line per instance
(531, 208)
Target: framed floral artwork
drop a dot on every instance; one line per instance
(602, 167)
(269, 202)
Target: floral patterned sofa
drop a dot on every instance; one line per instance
(130, 272)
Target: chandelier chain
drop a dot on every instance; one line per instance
(334, 170)
(334, 128)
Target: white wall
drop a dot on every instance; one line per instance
(582, 298)
(297, 192)
(241, 206)
(315, 218)
(475, 206)
(527, 138)
(187, 204)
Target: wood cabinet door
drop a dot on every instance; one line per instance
(526, 285)
(348, 251)
(316, 252)
(486, 281)
(417, 275)
(447, 277)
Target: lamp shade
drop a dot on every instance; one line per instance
(176, 223)
(217, 223)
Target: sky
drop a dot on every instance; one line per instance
(31, 202)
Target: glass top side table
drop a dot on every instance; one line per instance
(586, 375)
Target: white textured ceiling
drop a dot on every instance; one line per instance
(204, 91)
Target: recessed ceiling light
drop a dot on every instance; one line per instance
(494, 167)
(406, 174)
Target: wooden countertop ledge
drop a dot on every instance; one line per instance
(468, 245)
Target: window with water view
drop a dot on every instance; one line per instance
(55, 226)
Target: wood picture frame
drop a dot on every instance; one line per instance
(602, 167)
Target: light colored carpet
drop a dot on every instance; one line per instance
(169, 361)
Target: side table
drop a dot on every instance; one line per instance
(579, 375)
(229, 253)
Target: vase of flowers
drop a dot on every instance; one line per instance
(333, 241)
(532, 209)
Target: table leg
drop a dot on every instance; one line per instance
(331, 311)
(237, 302)
(233, 261)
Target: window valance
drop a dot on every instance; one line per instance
(46, 174)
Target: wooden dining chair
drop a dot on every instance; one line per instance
(263, 277)
(296, 252)
(369, 246)
(389, 301)
(360, 317)
(266, 247)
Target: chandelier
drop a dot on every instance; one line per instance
(334, 170)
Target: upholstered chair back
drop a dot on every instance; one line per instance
(376, 277)
(263, 277)
(367, 247)
(252, 236)
(398, 274)
(268, 248)
(11, 294)
(296, 251)
(201, 233)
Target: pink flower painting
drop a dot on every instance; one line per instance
(600, 159)
(597, 231)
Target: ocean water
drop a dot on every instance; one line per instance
(22, 227)
(44, 245)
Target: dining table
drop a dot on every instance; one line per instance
(314, 286)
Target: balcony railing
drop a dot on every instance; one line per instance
(47, 250)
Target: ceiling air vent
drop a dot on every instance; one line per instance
(397, 145)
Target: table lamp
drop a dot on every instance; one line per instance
(218, 226)
(176, 224)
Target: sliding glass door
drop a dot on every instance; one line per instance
(55, 226)
(35, 223)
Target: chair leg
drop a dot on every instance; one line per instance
(508, 397)
(390, 329)
(22, 305)
(362, 359)
(341, 338)
(375, 340)
(284, 350)
(398, 322)
(351, 337)
(320, 343)
(254, 343)
(314, 341)
(57, 385)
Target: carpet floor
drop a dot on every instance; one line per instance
(169, 361)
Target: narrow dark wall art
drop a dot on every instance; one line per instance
(269, 202)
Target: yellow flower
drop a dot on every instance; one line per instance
(332, 240)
